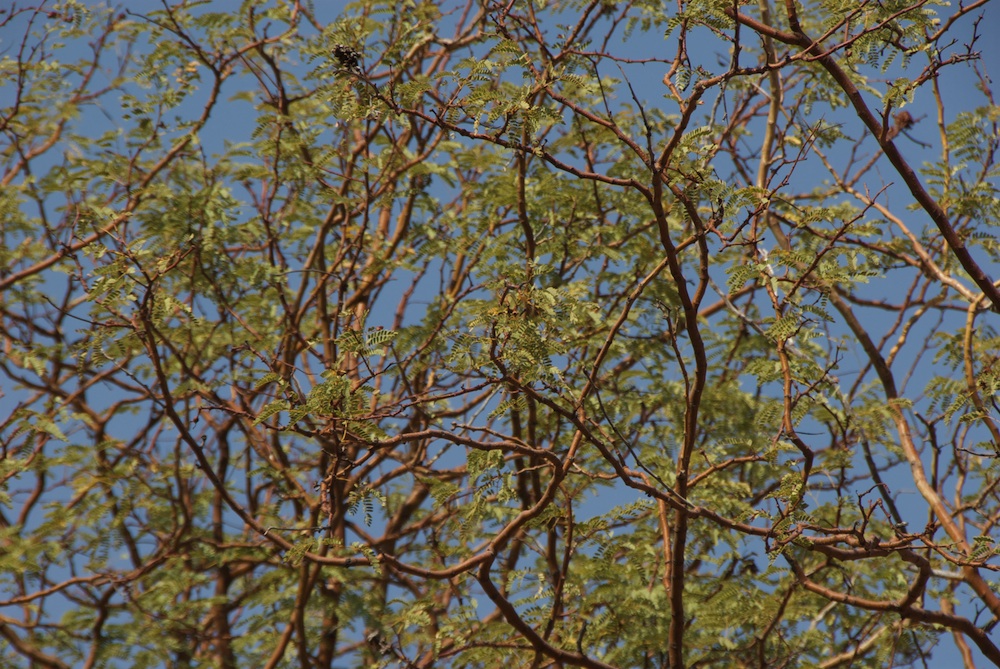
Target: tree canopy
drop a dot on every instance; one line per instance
(481, 333)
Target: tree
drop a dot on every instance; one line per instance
(480, 334)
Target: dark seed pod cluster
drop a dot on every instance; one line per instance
(347, 56)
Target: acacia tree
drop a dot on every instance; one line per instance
(482, 333)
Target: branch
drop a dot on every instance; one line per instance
(876, 128)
